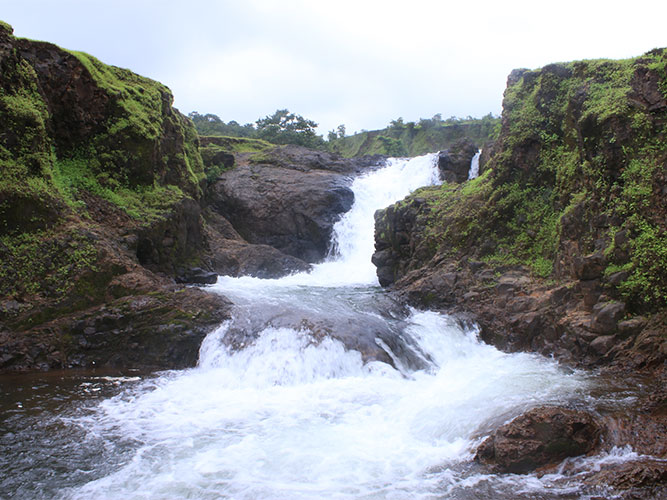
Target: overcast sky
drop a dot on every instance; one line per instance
(361, 63)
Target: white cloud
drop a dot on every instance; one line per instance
(358, 62)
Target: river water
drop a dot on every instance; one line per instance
(320, 387)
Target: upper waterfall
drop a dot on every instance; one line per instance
(474, 165)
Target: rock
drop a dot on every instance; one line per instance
(197, 275)
(159, 331)
(230, 255)
(454, 163)
(606, 317)
(540, 437)
(589, 267)
(631, 326)
(590, 291)
(236, 258)
(603, 344)
(616, 279)
(649, 474)
(291, 208)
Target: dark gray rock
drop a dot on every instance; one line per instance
(606, 317)
(454, 163)
(289, 209)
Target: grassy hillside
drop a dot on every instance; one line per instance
(414, 139)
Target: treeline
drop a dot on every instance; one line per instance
(402, 138)
(399, 138)
(282, 127)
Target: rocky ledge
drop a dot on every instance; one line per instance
(558, 247)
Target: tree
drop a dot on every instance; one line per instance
(283, 127)
(341, 131)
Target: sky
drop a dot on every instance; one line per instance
(361, 63)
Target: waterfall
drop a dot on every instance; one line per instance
(283, 406)
(474, 165)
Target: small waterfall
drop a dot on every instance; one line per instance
(474, 165)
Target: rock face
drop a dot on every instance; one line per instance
(540, 437)
(454, 163)
(558, 248)
(105, 203)
(539, 212)
(288, 198)
(100, 190)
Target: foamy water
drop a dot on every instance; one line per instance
(292, 412)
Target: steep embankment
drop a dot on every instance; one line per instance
(560, 246)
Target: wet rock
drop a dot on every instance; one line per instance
(230, 255)
(291, 209)
(197, 276)
(454, 163)
(236, 258)
(647, 477)
(542, 436)
(159, 331)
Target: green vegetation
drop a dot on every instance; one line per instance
(577, 159)
(282, 127)
(414, 139)
(145, 203)
(398, 139)
(61, 147)
(211, 125)
(45, 262)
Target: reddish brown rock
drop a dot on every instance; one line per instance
(540, 437)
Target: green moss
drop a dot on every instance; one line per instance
(140, 98)
(573, 138)
(45, 263)
(6, 27)
(145, 203)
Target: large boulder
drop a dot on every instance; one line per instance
(542, 436)
(291, 207)
(454, 163)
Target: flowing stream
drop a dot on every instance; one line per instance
(320, 387)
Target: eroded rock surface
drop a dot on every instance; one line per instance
(542, 436)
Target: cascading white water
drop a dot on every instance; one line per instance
(292, 413)
(474, 165)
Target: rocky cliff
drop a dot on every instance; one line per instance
(106, 208)
(563, 236)
(560, 246)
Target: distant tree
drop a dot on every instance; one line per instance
(210, 124)
(392, 147)
(397, 124)
(283, 127)
(341, 131)
(332, 136)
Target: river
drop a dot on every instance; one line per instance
(320, 387)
